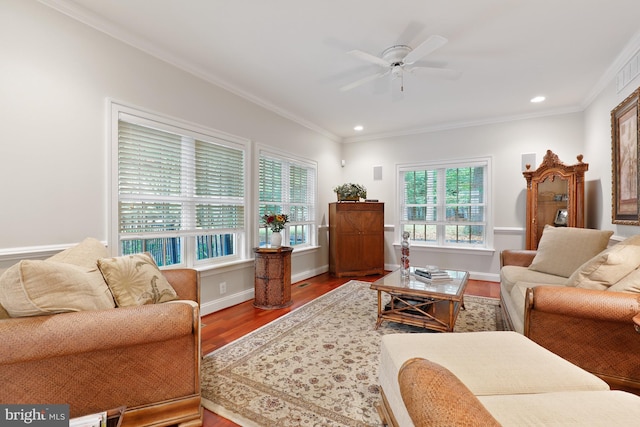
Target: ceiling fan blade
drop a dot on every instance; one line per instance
(369, 58)
(426, 47)
(445, 73)
(363, 81)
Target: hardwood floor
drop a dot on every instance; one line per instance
(227, 325)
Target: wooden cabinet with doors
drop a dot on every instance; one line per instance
(356, 238)
(555, 196)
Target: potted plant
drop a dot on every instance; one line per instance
(349, 191)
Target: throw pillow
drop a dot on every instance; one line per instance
(136, 280)
(633, 240)
(4, 314)
(562, 250)
(629, 283)
(607, 268)
(36, 287)
(84, 254)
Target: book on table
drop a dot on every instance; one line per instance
(432, 276)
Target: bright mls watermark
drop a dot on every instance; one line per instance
(34, 415)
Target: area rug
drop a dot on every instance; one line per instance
(317, 365)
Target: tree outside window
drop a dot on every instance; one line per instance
(444, 205)
(288, 186)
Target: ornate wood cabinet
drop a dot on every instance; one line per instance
(555, 196)
(356, 238)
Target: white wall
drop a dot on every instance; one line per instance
(503, 142)
(598, 148)
(56, 75)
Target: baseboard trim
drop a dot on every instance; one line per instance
(304, 275)
(225, 302)
(248, 294)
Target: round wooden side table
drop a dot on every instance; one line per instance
(272, 277)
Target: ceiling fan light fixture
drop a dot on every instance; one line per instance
(396, 54)
(396, 71)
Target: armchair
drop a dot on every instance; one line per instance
(146, 358)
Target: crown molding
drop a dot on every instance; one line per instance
(459, 125)
(630, 49)
(96, 22)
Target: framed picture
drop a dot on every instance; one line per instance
(561, 218)
(624, 155)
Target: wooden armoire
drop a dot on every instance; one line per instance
(555, 196)
(356, 238)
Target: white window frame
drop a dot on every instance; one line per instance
(442, 165)
(313, 221)
(191, 131)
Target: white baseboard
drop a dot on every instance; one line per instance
(224, 302)
(248, 294)
(304, 275)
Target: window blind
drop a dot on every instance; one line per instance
(288, 186)
(171, 184)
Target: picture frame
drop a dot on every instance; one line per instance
(562, 217)
(624, 155)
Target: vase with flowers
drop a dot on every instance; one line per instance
(276, 223)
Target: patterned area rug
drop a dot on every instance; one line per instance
(315, 366)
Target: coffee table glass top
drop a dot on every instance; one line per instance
(414, 284)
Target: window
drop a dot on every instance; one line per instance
(288, 186)
(445, 204)
(180, 192)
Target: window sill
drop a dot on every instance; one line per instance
(211, 269)
(450, 249)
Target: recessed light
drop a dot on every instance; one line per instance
(538, 99)
(358, 128)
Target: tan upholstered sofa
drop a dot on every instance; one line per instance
(491, 379)
(577, 297)
(434, 396)
(145, 357)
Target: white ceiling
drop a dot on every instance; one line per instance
(291, 55)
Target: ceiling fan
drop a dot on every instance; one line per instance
(400, 58)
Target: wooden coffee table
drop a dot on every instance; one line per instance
(415, 302)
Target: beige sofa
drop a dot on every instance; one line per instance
(491, 379)
(577, 297)
(62, 344)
